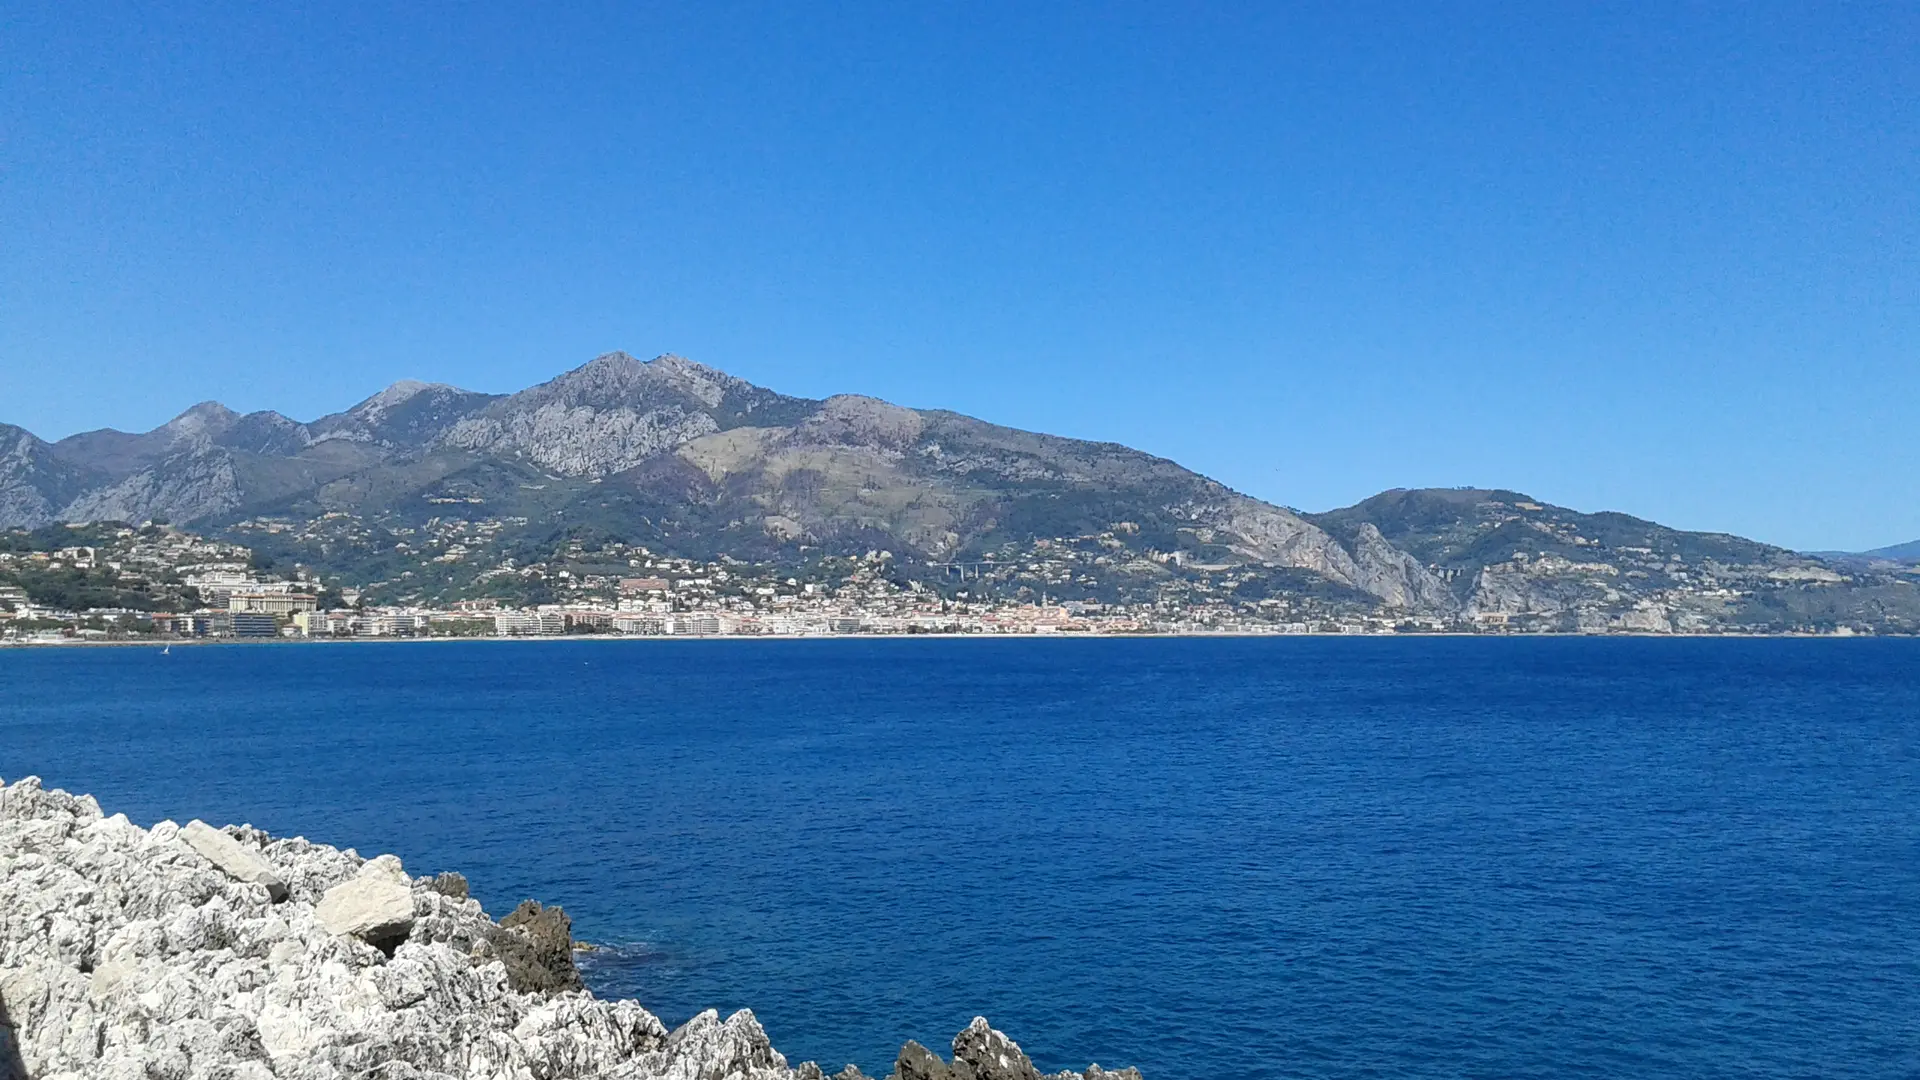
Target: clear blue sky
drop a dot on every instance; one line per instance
(1660, 258)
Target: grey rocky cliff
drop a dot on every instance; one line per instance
(1374, 566)
(204, 954)
(34, 482)
(22, 500)
(1397, 577)
(194, 484)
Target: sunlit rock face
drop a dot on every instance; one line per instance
(606, 416)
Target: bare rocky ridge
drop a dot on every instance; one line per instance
(228, 954)
(404, 416)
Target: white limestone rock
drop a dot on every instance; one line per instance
(239, 863)
(130, 954)
(376, 905)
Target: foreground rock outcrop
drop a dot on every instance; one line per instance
(227, 954)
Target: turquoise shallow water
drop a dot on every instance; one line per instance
(1209, 858)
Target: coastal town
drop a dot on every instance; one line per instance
(154, 583)
(120, 583)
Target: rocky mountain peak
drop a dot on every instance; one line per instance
(207, 419)
(373, 409)
(405, 415)
(675, 366)
(211, 424)
(18, 440)
(617, 379)
(863, 421)
(400, 392)
(613, 364)
(604, 416)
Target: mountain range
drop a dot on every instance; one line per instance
(683, 457)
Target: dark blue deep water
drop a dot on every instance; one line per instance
(1209, 858)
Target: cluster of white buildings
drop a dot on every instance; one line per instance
(469, 621)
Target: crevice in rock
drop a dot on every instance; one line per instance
(389, 944)
(11, 1066)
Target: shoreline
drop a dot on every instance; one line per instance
(536, 639)
(231, 952)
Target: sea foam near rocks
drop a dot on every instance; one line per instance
(197, 953)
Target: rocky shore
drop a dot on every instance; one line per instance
(196, 953)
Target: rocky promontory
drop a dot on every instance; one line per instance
(201, 953)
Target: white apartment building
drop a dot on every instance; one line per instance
(515, 623)
(271, 603)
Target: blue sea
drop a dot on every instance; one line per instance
(1209, 858)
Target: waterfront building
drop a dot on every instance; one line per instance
(206, 624)
(515, 623)
(392, 624)
(640, 624)
(590, 622)
(251, 624)
(271, 603)
(324, 623)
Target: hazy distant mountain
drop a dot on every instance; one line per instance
(1894, 556)
(1909, 552)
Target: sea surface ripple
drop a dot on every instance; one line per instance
(1209, 858)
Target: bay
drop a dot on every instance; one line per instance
(1455, 857)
